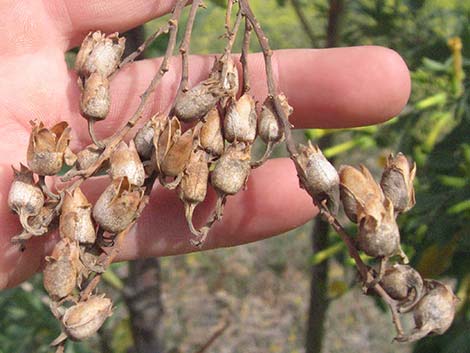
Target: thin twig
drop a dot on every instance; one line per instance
(292, 149)
(217, 333)
(164, 67)
(244, 56)
(228, 15)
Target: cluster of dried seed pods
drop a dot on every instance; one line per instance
(204, 139)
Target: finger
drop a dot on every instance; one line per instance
(328, 88)
(272, 204)
(76, 18)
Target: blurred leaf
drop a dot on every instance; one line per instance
(323, 255)
(437, 99)
(435, 260)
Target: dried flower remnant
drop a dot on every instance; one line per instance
(177, 157)
(117, 206)
(84, 319)
(404, 284)
(125, 162)
(397, 182)
(210, 137)
(318, 176)
(95, 100)
(434, 313)
(75, 220)
(48, 148)
(167, 132)
(240, 120)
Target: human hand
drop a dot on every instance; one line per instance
(327, 88)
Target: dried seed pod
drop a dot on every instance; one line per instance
(60, 273)
(75, 220)
(232, 169)
(144, 140)
(125, 162)
(117, 206)
(434, 313)
(318, 176)
(167, 132)
(210, 137)
(356, 187)
(397, 182)
(228, 74)
(378, 234)
(404, 284)
(47, 148)
(84, 319)
(95, 98)
(25, 196)
(99, 53)
(88, 156)
(240, 120)
(268, 126)
(178, 155)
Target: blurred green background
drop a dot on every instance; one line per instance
(299, 292)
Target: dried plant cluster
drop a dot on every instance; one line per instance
(205, 138)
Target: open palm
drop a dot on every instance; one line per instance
(327, 88)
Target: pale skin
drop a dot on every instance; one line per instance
(328, 88)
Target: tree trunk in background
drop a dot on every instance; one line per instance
(142, 287)
(319, 273)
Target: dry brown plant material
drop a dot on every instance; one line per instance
(240, 120)
(125, 162)
(75, 220)
(211, 138)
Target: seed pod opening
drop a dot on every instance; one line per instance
(318, 176)
(125, 162)
(75, 219)
(95, 98)
(356, 187)
(46, 148)
(84, 319)
(268, 126)
(178, 155)
(167, 132)
(99, 53)
(60, 273)
(144, 141)
(117, 206)
(434, 313)
(397, 182)
(240, 120)
(25, 196)
(232, 169)
(211, 138)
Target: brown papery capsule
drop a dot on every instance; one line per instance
(167, 132)
(229, 77)
(178, 155)
(60, 273)
(95, 98)
(47, 148)
(125, 162)
(83, 320)
(318, 176)
(356, 187)
(99, 53)
(268, 126)
(232, 169)
(434, 313)
(88, 156)
(404, 284)
(75, 218)
(210, 137)
(240, 120)
(143, 141)
(117, 206)
(397, 182)
(25, 196)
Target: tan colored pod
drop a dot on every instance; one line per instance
(176, 159)
(231, 171)
(47, 148)
(318, 176)
(143, 141)
(95, 98)
(211, 138)
(25, 196)
(167, 132)
(83, 320)
(434, 313)
(240, 120)
(61, 270)
(99, 53)
(397, 182)
(88, 156)
(75, 220)
(268, 126)
(193, 186)
(125, 162)
(117, 206)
